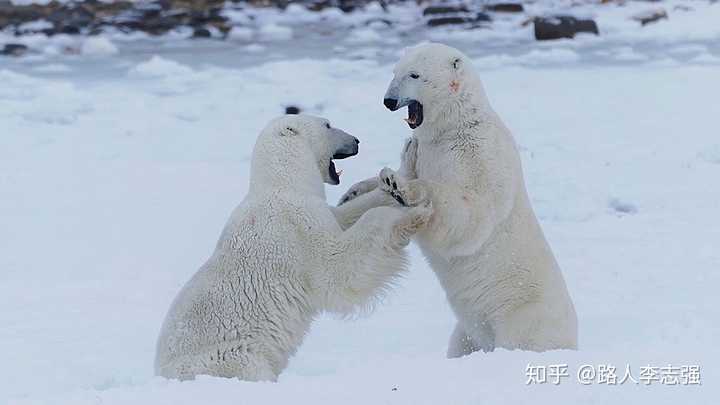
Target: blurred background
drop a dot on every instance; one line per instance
(618, 31)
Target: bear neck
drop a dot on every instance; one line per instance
(450, 117)
(285, 172)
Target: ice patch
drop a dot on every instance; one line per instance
(628, 54)
(706, 58)
(37, 25)
(295, 9)
(52, 68)
(550, 56)
(244, 34)
(664, 62)
(275, 32)
(364, 35)
(688, 49)
(98, 46)
(363, 53)
(159, 67)
(254, 48)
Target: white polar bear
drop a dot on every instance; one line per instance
(483, 240)
(283, 257)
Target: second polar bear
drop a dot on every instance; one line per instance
(283, 257)
(483, 241)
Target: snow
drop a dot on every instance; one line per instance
(98, 46)
(244, 34)
(706, 58)
(158, 66)
(628, 54)
(115, 190)
(275, 32)
(364, 35)
(36, 25)
(52, 68)
(121, 157)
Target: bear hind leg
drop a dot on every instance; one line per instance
(461, 343)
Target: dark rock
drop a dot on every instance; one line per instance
(436, 22)
(158, 25)
(71, 15)
(67, 29)
(13, 50)
(434, 10)
(348, 6)
(291, 109)
(505, 8)
(482, 17)
(318, 5)
(109, 10)
(651, 16)
(11, 15)
(547, 28)
(201, 33)
(454, 20)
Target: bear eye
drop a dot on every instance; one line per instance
(327, 125)
(414, 75)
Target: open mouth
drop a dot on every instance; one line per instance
(333, 171)
(415, 114)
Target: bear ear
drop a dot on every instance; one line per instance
(288, 131)
(457, 63)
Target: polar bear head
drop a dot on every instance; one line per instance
(297, 150)
(432, 80)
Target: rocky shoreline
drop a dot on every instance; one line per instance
(218, 18)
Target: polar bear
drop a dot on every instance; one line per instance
(483, 240)
(283, 257)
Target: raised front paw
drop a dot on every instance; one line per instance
(408, 159)
(357, 190)
(407, 193)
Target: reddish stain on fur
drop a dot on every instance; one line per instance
(455, 86)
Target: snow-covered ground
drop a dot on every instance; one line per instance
(118, 171)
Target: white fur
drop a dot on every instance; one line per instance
(483, 241)
(283, 257)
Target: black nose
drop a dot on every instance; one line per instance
(390, 103)
(357, 141)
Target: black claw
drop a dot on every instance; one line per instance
(394, 185)
(399, 199)
(387, 181)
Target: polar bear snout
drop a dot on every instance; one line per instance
(343, 145)
(346, 145)
(395, 99)
(391, 103)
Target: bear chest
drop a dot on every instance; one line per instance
(436, 163)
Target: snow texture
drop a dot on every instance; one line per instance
(115, 187)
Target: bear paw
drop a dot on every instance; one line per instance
(407, 193)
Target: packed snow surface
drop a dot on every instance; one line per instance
(114, 189)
